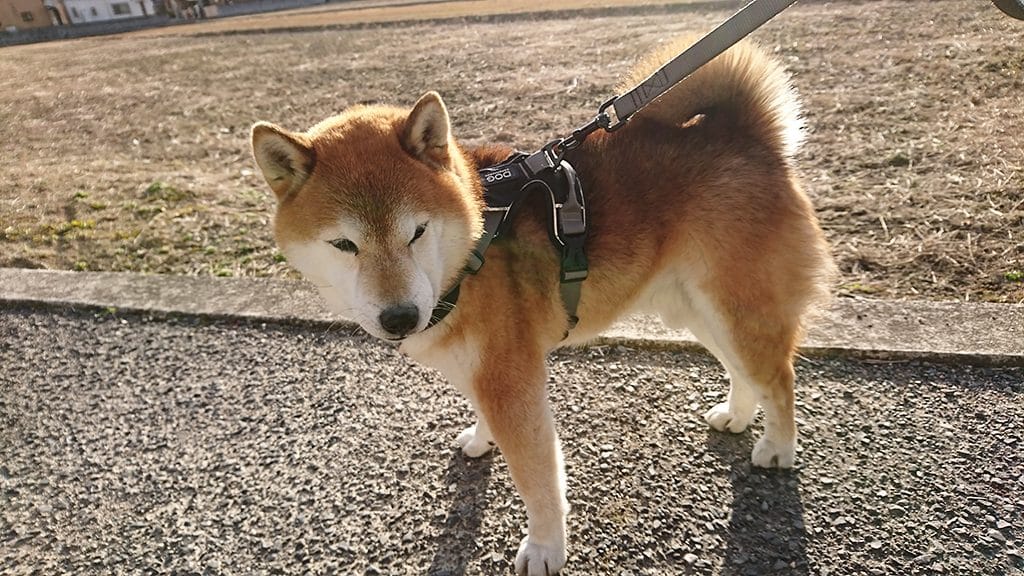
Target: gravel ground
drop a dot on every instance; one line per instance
(132, 445)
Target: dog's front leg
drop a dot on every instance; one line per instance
(511, 396)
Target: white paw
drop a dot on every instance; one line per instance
(474, 445)
(773, 454)
(721, 418)
(536, 559)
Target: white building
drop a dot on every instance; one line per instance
(81, 11)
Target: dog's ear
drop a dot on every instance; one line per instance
(427, 131)
(286, 159)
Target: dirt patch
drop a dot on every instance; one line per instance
(131, 153)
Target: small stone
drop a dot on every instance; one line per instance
(996, 535)
(875, 544)
(924, 559)
(690, 558)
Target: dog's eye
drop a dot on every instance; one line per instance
(419, 232)
(345, 245)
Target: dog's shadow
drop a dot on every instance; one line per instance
(766, 533)
(456, 544)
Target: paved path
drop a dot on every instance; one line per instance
(956, 332)
(134, 445)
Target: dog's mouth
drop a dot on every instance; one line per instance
(398, 339)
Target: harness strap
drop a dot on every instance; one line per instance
(492, 221)
(569, 227)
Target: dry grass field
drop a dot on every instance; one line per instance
(131, 152)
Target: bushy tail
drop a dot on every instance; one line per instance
(744, 83)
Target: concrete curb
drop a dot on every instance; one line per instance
(982, 334)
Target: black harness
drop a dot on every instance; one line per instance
(514, 179)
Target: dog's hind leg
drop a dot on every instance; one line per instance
(477, 439)
(756, 347)
(736, 413)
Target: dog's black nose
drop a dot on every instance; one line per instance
(400, 320)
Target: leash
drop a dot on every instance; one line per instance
(547, 171)
(749, 18)
(739, 25)
(1012, 8)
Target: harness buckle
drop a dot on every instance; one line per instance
(574, 259)
(571, 214)
(572, 219)
(571, 229)
(542, 160)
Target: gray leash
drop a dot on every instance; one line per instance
(749, 18)
(739, 25)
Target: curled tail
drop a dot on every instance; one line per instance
(744, 84)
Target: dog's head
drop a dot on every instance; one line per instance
(376, 206)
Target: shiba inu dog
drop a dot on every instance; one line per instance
(694, 213)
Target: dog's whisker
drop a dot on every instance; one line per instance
(330, 327)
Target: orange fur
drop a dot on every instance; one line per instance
(693, 210)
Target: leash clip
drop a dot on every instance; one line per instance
(611, 124)
(555, 150)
